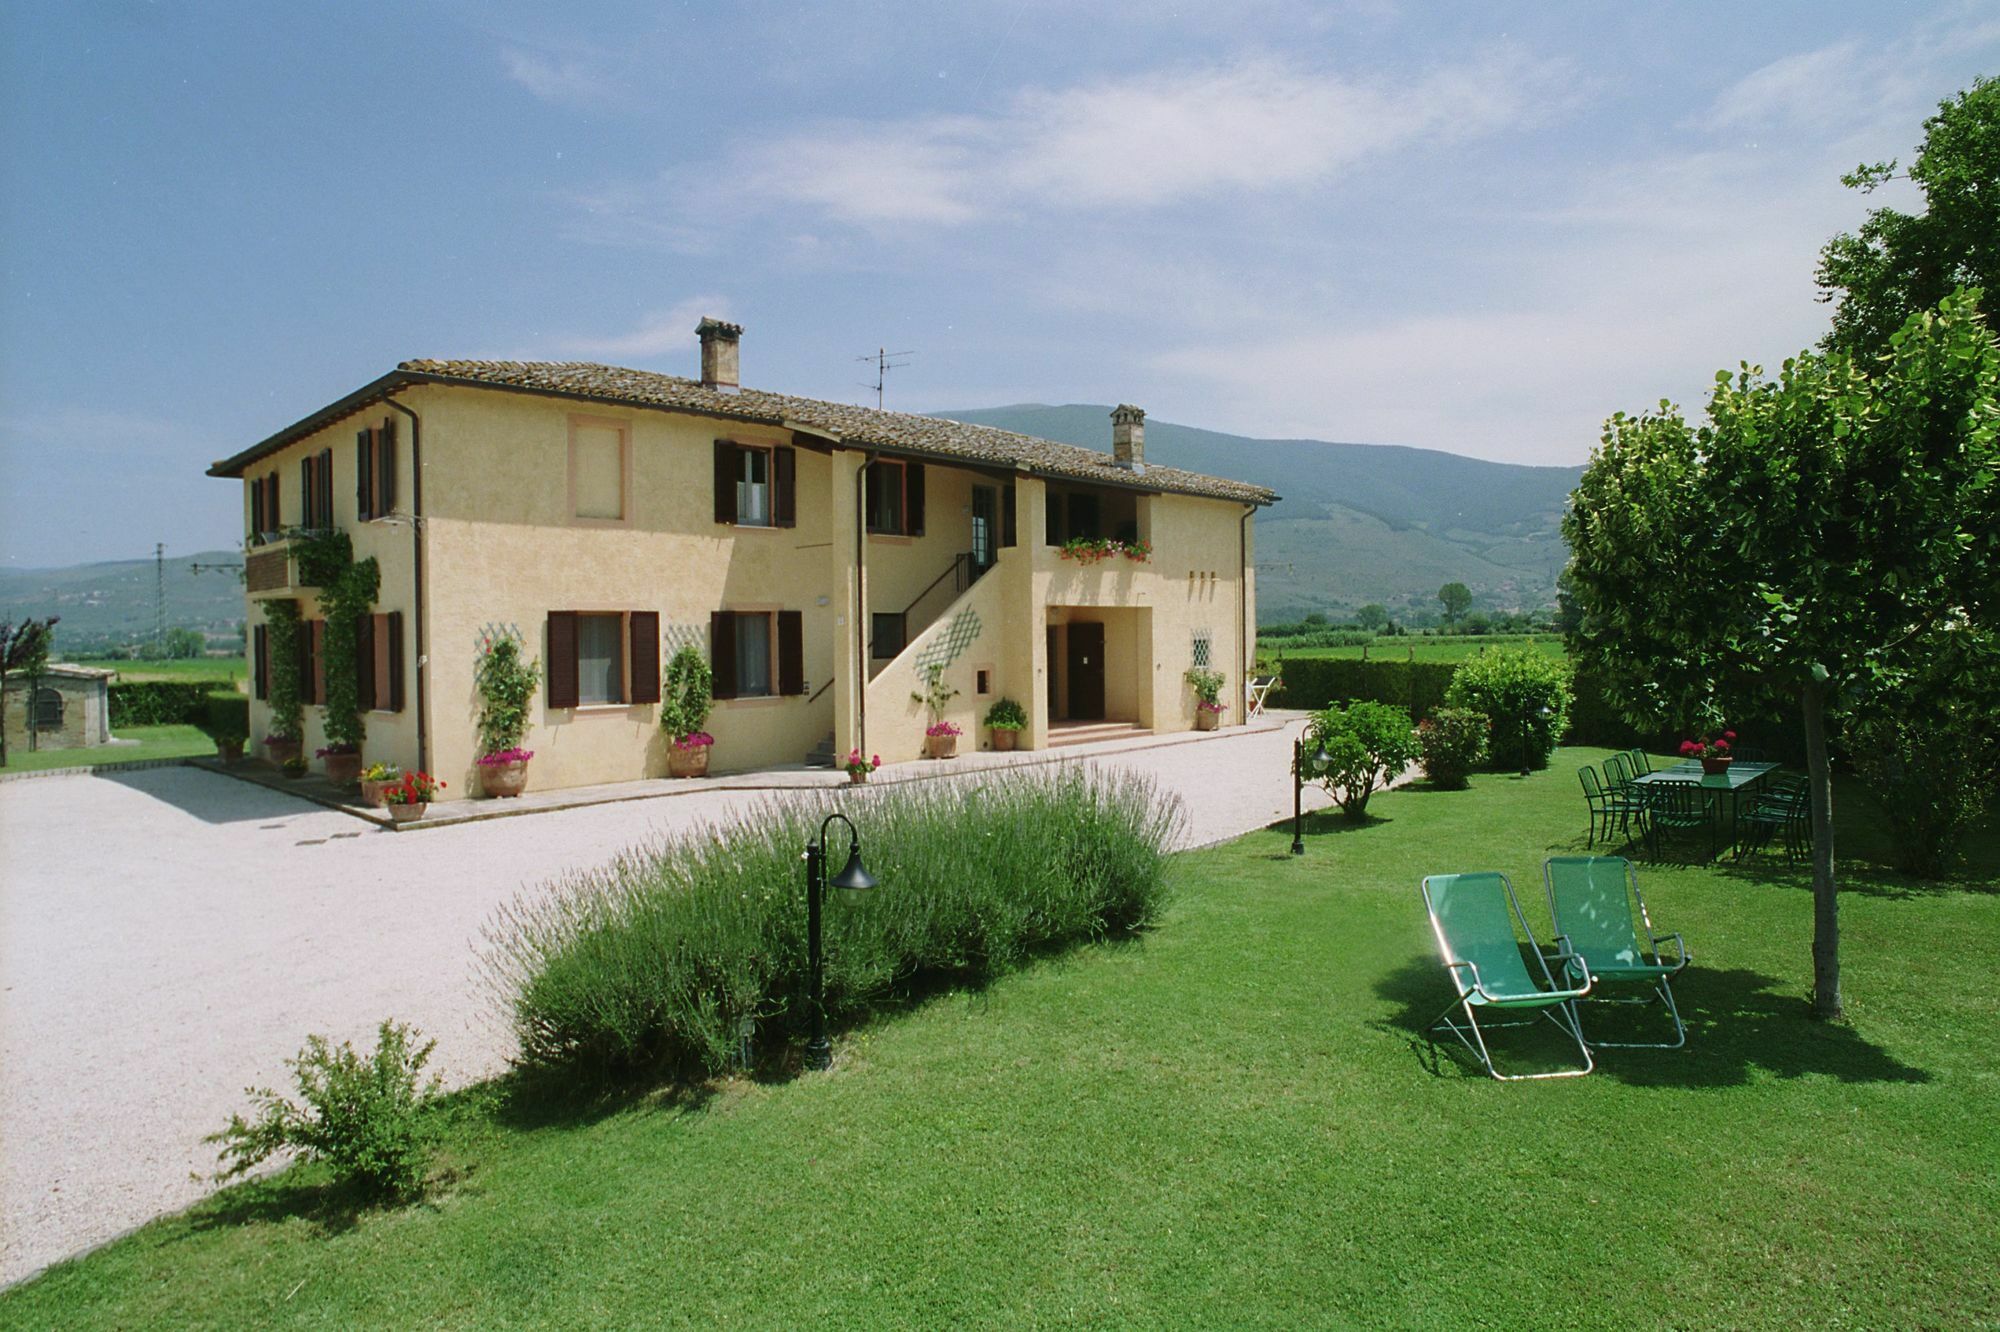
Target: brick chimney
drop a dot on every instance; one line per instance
(718, 353)
(1128, 437)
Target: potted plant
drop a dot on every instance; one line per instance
(229, 746)
(686, 697)
(343, 763)
(1006, 719)
(1713, 754)
(504, 772)
(687, 756)
(858, 767)
(506, 679)
(282, 748)
(295, 767)
(941, 739)
(375, 779)
(410, 795)
(1207, 685)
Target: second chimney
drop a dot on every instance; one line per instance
(718, 353)
(1128, 437)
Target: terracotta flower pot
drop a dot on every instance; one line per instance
(857, 777)
(407, 813)
(371, 791)
(343, 770)
(228, 751)
(688, 761)
(941, 746)
(1003, 739)
(499, 780)
(1204, 720)
(1715, 767)
(280, 750)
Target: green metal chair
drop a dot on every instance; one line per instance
(1474, 917)
(1783, 808)
(1677, 806)
(1623, 802)
(1601, 922)
(1642, 763)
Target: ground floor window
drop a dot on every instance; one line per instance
(603, 658)
(886, 639)
(757, 654)
(600, 659)
(48, 710)
(753, 656)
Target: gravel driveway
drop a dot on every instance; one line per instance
(169, 936)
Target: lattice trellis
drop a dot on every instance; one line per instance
(491, 632)
(678, 636)
(1204, 649)
(949, 646)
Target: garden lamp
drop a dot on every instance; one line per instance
(1319, 759)
(852, 881)
(1528, 738)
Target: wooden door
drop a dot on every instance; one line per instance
(1086, 671)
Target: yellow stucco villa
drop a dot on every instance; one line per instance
(825, 557)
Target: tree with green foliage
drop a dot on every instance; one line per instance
(24, 652)
(1372, 616)
(1366, 746)
(1901, 263)
(1808, 542)
(1457, 599)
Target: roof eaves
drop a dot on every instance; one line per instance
(375, 391)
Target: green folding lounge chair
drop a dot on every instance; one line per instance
(1602, 926)
(1474, 917)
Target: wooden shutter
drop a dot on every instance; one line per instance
(306, 505)
(385, 468)
(1007, 516)
(319, 661)
(722, 652)
(364, 662)
(642, 631)
(256, 507)
(390, 664)
(562, 659)
(791, 653)
(274, 513)
(364, 475)
(324, 492)
(784, 488)
(260, 647)
(913, 499)
(302, 658)
(725, 481)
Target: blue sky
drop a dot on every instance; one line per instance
(1480, 228)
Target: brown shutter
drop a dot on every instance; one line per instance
(791, 653)
(913, 499)
(302, 658)
(385, 468)
(364, 662)
(306, 505)
(260, 643)
(274, 510)
(784, 487)
(325, 491)
(364, 475)
(319, 661)
(643, 629)
(722, 652)
(725, 481)
(1007, 517)
(562, 659)
(393, 664)
(256, 507)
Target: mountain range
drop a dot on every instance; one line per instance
(113, 604)
(1357, 523)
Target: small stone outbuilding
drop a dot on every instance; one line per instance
(67, 707)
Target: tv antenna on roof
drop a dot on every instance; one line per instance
(883, 365)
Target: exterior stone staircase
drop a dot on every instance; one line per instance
(822, 755)
(1090, 733)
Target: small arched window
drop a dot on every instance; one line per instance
(48, 709)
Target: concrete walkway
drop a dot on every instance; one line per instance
(168, 937)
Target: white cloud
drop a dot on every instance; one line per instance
(580, 78)
(1798, 89)
(666, 332)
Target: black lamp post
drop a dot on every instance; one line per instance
(852, 881)
(1528, 739)
(1320, 757)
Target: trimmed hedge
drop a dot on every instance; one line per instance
(1318, 682)
(205, 703)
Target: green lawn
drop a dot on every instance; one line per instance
(198, 668)
(1227, 1122)
(1425, 649)
(155, 742)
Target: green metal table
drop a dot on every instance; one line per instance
(1720, 790)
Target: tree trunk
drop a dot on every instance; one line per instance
(1826, 905)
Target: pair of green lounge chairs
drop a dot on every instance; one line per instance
(1604, 938)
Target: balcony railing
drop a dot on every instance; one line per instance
(273, 570)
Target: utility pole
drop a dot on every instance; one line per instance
(160, 595)
(883, 365)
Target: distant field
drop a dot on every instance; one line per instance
(200, 668)
(155, 742)
(1424, 649)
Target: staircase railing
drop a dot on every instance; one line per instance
(963, 571)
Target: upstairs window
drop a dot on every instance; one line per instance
(756, 486)
(375, 471)
(599, 469)
(895, 498)
(316, 490)
(265, 519)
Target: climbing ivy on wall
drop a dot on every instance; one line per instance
(281, 637)
(347, 596)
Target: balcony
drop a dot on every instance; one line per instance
(280, 569)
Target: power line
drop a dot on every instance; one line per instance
(883, 365)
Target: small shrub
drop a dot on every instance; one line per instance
(506, 679)
(362, 1115)
(1366, 744)
(657, 960)
(1451, 743)
(689, 694)
(1934, 776)
(1006, 715)
(1514, 687)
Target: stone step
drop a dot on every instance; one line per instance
(1092, 733)
(822, 755)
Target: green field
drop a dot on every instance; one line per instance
(1231, 1121)
(1413, 647)
(198, 668)
(154, 742)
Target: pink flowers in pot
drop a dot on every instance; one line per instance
(1206, 706)
(943, 728)
(1706, 748)
(855, 763)
(514, 755)
(694, 740)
